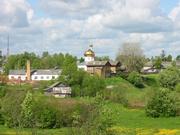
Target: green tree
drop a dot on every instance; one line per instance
(157, 62)
(169, 58)
(162, 104)
(169, 77)
(102, 58)
(27, 110)
(178, 57)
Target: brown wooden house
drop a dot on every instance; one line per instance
(100, 68)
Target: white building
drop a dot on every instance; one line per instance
(36, 75)
(17, 75)
(45, 75)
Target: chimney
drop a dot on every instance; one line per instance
(28, 70)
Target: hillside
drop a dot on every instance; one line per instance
(123, 106)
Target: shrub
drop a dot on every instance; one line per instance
(136, 79)
(116, 95)
(162, 104)
(2, 91)
(91, 85)
(169, 78)
(11, 107)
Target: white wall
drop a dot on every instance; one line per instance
(43, 77)
(16, 77)
(89, 59)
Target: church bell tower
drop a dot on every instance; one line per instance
(89, 55)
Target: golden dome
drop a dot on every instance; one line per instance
(89, 52)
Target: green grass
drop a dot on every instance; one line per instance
(136, 118)
(10, 131)
(133, 94)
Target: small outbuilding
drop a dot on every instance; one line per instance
(59, 90)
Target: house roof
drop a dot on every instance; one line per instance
(115, 63)
(47, 72)
(36, 72)
(17, 72)
(57, 84)
(97, 63)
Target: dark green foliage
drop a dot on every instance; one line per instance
(27, 113)
(136, 79)
(46, 61)
(162, 104)
(178, 57)
(169, 77)
(2, 91)
(11, 107)
(82, 83)
(46, 118)
(157, 62)
(91, 85)
(123, 75)
(103, 58)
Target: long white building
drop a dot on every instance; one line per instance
(34, 75)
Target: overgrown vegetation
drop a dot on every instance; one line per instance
(169, 77)
(162, 104)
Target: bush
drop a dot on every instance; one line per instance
(169, 78)
(116, 95)
(136, 79)
(91, 85)
(2, 91)
(162, 104)
(11, 107)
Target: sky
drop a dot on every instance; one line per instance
(70, 26)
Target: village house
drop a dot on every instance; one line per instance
(149, 68)
(59, 89)
(100, 68)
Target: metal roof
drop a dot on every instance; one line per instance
(97, 63)
(47, 72)
(17, 72)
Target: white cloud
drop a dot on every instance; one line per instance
(70, 25)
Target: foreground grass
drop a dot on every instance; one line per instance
(10, 131)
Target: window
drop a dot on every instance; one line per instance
(47, 77)
(53, 77)
(42, 77)
(35, 77)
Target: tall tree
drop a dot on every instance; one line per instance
(132, 56)
(178, 57)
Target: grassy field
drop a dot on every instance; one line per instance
(9, 131)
